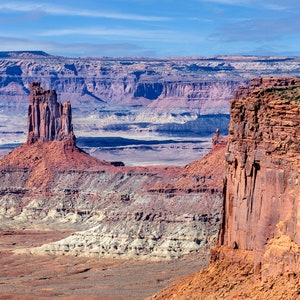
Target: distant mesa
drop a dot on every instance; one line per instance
(48, 120)
(23, 54)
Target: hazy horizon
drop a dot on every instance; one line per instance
(157, 29)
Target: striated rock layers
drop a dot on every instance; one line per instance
(128, 212)
(48, 120)
(189, 95)
(118, 211)
(169, 84)
(262, 168)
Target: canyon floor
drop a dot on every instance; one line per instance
(133, 149)
(25, 276)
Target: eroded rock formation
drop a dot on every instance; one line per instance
(257, 255)
(262, 167)
(48, 120)
(129, 212)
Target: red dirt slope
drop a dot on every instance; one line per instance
(44, 157)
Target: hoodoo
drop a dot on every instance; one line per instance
(48, 120)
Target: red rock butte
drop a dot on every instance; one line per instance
(51, 143)
(48, 120)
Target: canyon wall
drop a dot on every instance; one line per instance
(136, 91)
(262, 174)
(173, 84)
(126, 212)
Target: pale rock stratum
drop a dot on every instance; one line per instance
(121, 212)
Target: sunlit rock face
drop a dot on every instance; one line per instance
(262, 171)
(48, 120)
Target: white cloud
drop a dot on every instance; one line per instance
(64, 11)
(126, 33)
(277, 5)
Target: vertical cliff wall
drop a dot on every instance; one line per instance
(258, 251)
(262, 201)
(48, 120)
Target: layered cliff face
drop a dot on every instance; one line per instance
(48, 120)
(142, 93)
(258, 250)
(262, 171)
(129, 212)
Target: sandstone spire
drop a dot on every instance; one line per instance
(48, 120)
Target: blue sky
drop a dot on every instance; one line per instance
(155, 28)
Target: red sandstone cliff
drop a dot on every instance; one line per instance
(262, 167)
(257, 256)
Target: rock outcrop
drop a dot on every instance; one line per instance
(48, 120)
(262, 166)
(258, 250)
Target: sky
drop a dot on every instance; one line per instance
(151, 28)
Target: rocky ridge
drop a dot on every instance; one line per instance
(124, 212)
(121, 212)
(258, 250)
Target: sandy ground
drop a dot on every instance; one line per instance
(25, 276)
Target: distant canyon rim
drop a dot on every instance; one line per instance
(151, 101)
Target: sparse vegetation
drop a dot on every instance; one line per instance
(290, 92)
